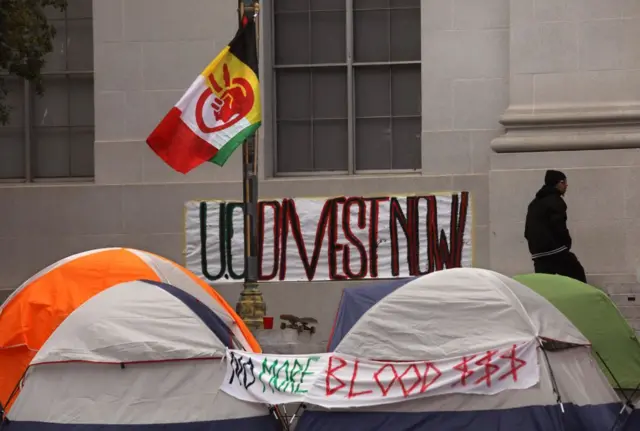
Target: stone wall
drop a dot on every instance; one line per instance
(509, 89)
(574, 71)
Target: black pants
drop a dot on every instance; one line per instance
(565, 263)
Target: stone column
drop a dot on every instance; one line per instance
(574, 76)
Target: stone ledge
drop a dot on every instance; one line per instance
(575, 128)
(566, 142)
(517, 118)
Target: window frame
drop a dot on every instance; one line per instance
(270, 102)
(29, 124)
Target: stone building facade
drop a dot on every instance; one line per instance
(360, 97)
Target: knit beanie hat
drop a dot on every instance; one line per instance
(552, 178)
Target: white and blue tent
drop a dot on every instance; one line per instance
(140, 356)
(632, 421)
(459, 312)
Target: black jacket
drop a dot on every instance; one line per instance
(546, 225)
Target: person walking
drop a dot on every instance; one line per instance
(547, 233)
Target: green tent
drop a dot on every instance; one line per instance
(596, 316)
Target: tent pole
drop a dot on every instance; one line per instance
(635, 391)
(628, 400)
(554, 383)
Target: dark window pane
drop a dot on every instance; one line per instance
(405, 35)
(79, 47)
(327, 4)
(294, 146)
(51, 152)
(406, 94)
(75, 9)
(79, 9)
(52, 13)
(12, 133)
(11, 153)
(405, 3)
(62, 138)
(292, 38)
(293, 88)
(372, 92)
(56, 60)
(329, 93)
(371, 4)
(64, 119)
(371, 36)
(330, 145)
(81, 141)
(291, 5)
(14, 100)
(52, 108)
(73, 43)
(81, 101)
(373, 144)
(67, 100)
(328, 37)
(406, 138)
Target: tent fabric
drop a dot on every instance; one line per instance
(178, 276)
(534, 418)
(460, 311)
(134, 322)
(34, 311)
(211, 319)
(632, 422)
(597, 317)
(143, 394)
(447, 313)
(356, 301)
(263, 423)
(139, 354)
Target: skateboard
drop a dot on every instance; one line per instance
(300, 324)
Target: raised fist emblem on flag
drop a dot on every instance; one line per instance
(230, 103)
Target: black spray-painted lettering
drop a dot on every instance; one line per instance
(242, 371)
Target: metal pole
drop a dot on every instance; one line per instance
(251, 306)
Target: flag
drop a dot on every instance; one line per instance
(219, 110)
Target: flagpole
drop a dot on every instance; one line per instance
(251, 306)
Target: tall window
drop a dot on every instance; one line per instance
(347, 85)
(52, 137)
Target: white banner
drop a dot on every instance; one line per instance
(338, 381)
(340, 238)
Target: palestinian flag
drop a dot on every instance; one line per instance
(218, 112)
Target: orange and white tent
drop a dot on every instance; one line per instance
(31, 315)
